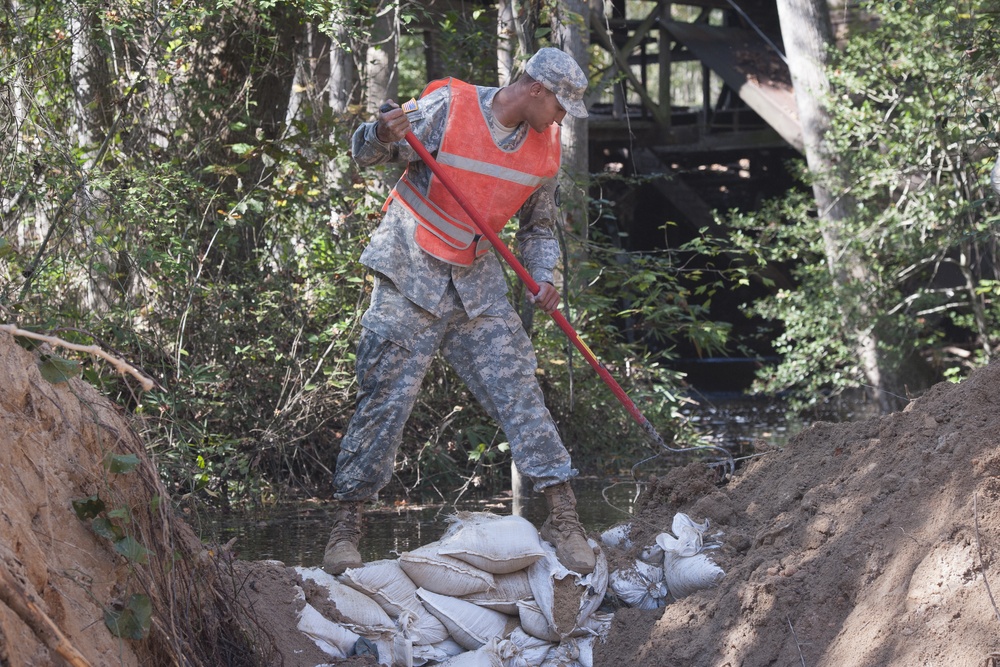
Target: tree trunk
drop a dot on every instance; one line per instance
(506, 41)
(88, 78)
(380, 64)
(808, 39)
(90, 122)
(571, 27)
(312, 73)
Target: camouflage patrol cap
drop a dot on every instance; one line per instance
(560, 73)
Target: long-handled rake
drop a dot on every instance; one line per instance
(412, 111)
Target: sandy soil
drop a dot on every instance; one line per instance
(863, 544)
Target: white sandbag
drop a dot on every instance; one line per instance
(402, 651)
(358, 611)
(685, 569)
(597, 625)
(470, 625)
(504, 596)
(385, 582)
(487, 655)
(640, 585)
(689, 538)
(534, 622)
(332, 638)
(493, 543)
(571, 653)
(443, 574)
(532, 649)
(434, 653)
(687, 575)
(543, 573)
(618, 537)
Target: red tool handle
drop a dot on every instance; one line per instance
(533, 287)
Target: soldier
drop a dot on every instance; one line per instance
(439, 289)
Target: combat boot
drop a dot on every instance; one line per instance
(342, 548)
(564, 532)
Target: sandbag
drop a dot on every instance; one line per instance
(618, 537)
(542, 576)
(470, 625)
(532, 649)
(359, 612)
(689, 538)
(685, 568)
(571, 653)
(597, 625)
(487, 655)
(640, 585)
(385, 582)
(504, 596)
(435, 653)
(332, 638)
(687, 575)
(444, 574)
(492, 543)
(535, 623)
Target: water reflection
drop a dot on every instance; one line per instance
(297, 535)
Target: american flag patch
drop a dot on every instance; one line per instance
(412, 110)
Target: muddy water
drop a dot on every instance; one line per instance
(296, 535)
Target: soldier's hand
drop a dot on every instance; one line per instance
(392, 124)
(547, 298)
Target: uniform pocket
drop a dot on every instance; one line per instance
(394, 317)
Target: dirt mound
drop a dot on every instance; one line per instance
(115, 558)
(869, 543)
(862, 544)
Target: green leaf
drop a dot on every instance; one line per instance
(56, 369)
(131, 622)
(88, 508)
(105, 528)
(121, 463)
(119, 513)
(132, 550)
(241, 149)
(5, 248)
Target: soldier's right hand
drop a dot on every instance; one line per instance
(392, 124)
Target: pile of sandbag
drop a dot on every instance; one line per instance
(491, 593)
(673, 568)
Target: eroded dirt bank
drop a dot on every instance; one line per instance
(863, 544)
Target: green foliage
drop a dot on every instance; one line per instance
(208, 236)
(914, 130)
(132, 620)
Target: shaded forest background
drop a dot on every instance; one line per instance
(176, 188)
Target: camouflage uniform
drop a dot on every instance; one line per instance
(420, 306)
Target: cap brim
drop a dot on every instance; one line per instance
(576, 109)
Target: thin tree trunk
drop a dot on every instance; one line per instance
(808, 39)
(571, 27)
(91, 121)
(383, 52)
(506, 41)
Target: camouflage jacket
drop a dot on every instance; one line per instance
(423, 279)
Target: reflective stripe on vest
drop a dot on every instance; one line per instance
(495, 182)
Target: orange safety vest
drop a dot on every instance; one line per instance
(494, 181)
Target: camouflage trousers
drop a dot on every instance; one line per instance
(491, 353)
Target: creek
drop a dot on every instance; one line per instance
(296, 534)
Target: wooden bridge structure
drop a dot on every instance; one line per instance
(726, 149)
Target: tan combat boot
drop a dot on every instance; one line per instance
(564, 532)
(342, 548)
